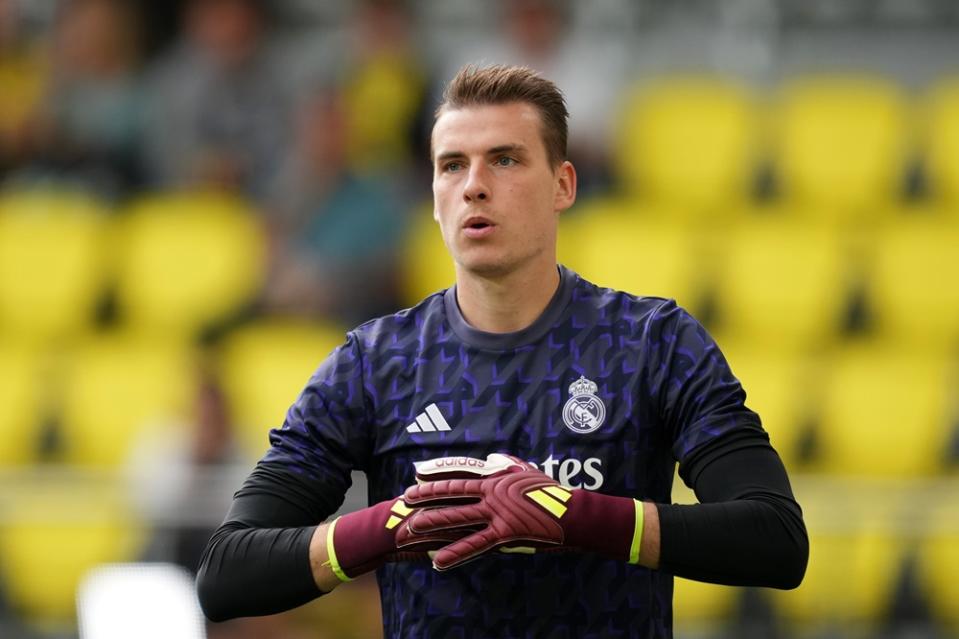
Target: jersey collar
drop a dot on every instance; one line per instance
(507, 341)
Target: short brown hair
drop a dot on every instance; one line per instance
(501, 84)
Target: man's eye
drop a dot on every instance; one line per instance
(452, 166)
(505, 161)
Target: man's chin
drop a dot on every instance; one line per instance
(487, 269)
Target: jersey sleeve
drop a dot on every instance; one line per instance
(325, 435)
(698, 397)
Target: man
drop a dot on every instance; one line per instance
(603, 391)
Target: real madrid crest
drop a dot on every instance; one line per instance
(584, 412)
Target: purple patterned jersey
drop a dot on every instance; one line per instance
(605, 391)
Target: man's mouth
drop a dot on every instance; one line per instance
(478, 227)
(477, 222)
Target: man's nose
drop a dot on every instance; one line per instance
(477, 184)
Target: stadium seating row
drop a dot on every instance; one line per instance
(176, 262)
(179, 263)
(841, 143)
(111, 390)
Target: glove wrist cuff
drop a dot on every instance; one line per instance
(605, 524)
(361, 541)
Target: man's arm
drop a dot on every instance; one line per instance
(258, 561)
(270, 555)
(748, 529)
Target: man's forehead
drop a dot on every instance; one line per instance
(486, 126)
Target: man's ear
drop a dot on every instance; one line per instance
(565, 186)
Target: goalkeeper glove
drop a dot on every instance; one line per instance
(366, 539)
(504, 502)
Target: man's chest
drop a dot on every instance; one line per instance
(584, 418)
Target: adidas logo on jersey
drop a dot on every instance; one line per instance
(429, 421)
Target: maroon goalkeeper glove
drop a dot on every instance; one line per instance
(366, 539)
(505, 503)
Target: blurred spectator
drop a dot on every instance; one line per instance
(383, 87)
(88, 126)
(218, 110)
(22, 76)
(176, 472)
(337, 230)
(591, 67)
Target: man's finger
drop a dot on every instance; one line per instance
(443, 491)
(464, 550)
(444, 519)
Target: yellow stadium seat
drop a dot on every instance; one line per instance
(576, 221)
(885, 412)
(54, 530)
(187, 260)
(22, 398)
(939, 561)
(942, 567)
(941, 140)
(849, 579)
(116, 388)
(265, 367)
(854, 560)
(782, 283)
(912, 283)
(690, 142)
(841, 143)
(52, 263)
(779, 387)
(634, 249)
(701, 605)
(567, 239)
(427, 265)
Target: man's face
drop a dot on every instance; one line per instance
(496, 196)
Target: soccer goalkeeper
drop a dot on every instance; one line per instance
(545, 414)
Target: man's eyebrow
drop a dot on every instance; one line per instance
(507, 148)
(449, 155)
(496, 150)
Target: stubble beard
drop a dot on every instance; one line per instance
(496, 267)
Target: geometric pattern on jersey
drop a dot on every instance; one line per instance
(666, 389)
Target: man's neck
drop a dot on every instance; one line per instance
(506, 304)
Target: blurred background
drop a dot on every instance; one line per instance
(197, 199)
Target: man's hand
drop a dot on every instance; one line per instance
(504, 502)
(364, 540)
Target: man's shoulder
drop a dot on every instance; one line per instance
(401, 326)
(626, 305)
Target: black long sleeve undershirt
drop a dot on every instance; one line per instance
(258, 561)
(748, 530)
